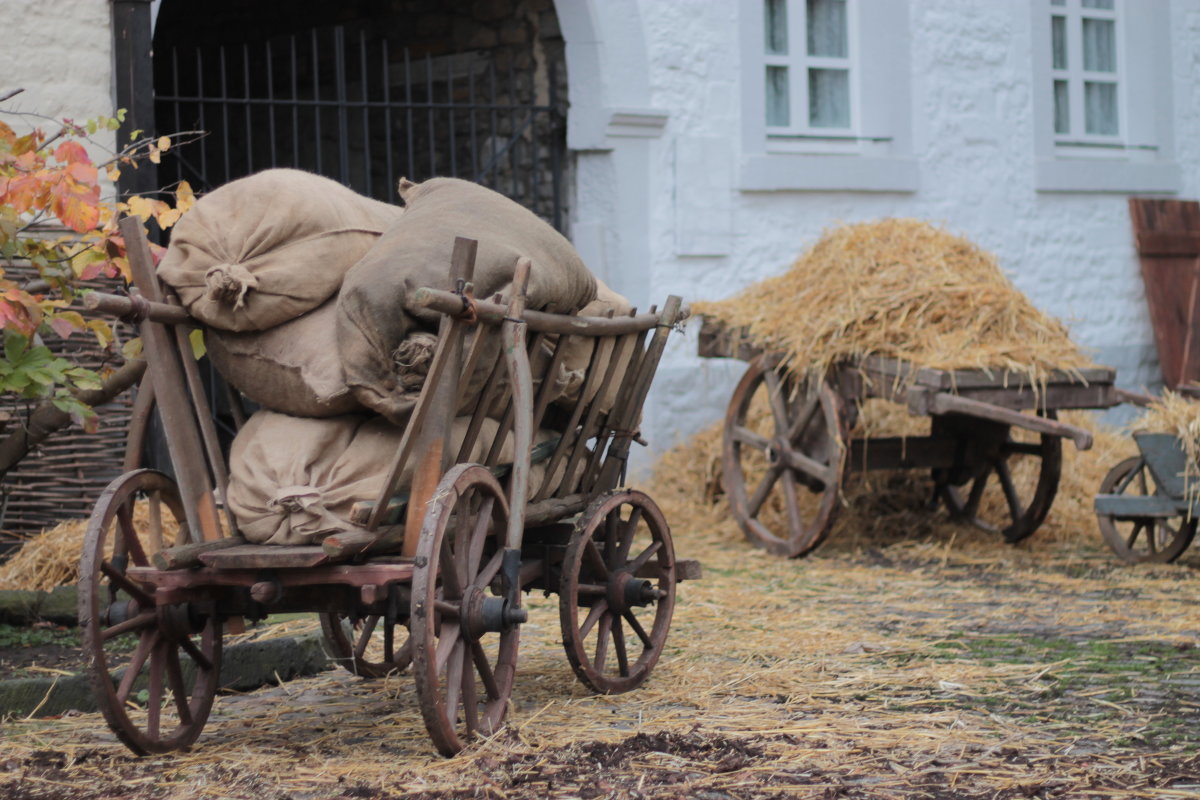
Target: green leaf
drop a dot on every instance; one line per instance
(196, 337)
(14, 345)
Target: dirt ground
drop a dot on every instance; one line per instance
(944, 666)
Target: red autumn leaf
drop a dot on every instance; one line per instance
(15, 315)
(76, 204)
(70, 152)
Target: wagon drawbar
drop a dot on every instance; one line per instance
(786, 438)
(432, 577)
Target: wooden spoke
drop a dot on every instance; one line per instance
(604, 632)
(628, 535)
(140, 622)
(484, 668)
(644, 557)
(744, 435)
(175, 681)
(451, 635)
(148, 642)
(763, 492)
(637, 628)
(364, 636)
(118, 578)
(594, 560)
(618, 634)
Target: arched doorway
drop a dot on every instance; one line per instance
(366, 92)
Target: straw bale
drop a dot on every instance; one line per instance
(900, 288)
(47, 560)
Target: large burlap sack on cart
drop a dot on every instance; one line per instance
(373, 319)
(294, 480)
(293, 368)
(577, 356)
(266, 248)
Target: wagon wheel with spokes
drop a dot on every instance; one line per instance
(1142, 539)
(373, 646)
(783, 457)
(464, 631)
(1012, 477)
(617, 591)
(154, 668)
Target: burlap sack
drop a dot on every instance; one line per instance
(294, 480)
(293, 368)
(578, 355)
(266, 248)
(373, 320)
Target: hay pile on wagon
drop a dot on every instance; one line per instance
(904, 289)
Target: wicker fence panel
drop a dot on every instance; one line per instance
(62, 478)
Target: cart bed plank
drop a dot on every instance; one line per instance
(265, 556)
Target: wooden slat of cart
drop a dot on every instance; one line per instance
(1167, 234)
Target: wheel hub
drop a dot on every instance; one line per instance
(484, 613)
(626, 591)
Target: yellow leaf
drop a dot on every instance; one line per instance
(141, 207)
(155, 155)
(164, 143)
(103, 332)
(197, 339)
(113, 172)
(132, 350)
(185, 198)
(169, 217)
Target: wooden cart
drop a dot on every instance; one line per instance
(437, 576)
(994, 449)
(1144, 508)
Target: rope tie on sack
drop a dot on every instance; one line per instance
(229, 283)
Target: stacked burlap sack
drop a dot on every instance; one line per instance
(302, 286)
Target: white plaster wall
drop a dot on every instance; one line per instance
(60, 53)
(971, 73)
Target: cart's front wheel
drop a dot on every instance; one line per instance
(618, 591)
(154, 668)
(1140, 540)
(373, 647)
(464, 631)
(783, 457)
(1011, 482)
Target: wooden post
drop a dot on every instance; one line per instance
(170, 392)
(516, 357)
(432, 445)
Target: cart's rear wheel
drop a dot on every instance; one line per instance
(372, 647)
(783, 457)
(154, 668)
(1012, 480)
(1140, 540)
(464, 632)
(619, 569)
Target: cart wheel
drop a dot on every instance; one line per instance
(1141, 540)
(1027, 467)
(620, 567)
(365, 647)
(154, 669)
(783, 458)
(464, 633)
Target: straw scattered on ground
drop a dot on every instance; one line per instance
(910, 658)
(905, 289)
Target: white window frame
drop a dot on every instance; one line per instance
(1076, 76)
(875, 153)
(801, 135)
(1140, 157)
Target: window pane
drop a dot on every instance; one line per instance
(1100, 108)
(1058, 36)
(775, 15)
(829, 98)
(778, 109)
(1062, 108)
(1058, 2)
(1099, 45)
(827, 33)
(1105, 4)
